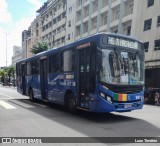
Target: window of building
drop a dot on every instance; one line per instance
(68, 60)
(158, 21)
(59, 18)
(116, 15)
(69, 23)
(146, 46)
(94, 23)
(63, 39)
(131, 8)
(78, 30)
(70, 10)
(157, 44)
(69, 36)
(63, 15)
(50, 13)
(43, 28)
(37, 24)
(116, 31)
(37, 32)
(128, 30)
(150, 3)
(46, 26)
(105, 20)
(147, 24)
(85, 27)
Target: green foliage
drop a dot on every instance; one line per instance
(39, 47)
(7, 72)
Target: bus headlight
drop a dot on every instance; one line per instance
(109, 99)
(102, 95)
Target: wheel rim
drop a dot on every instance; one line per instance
(72, 103)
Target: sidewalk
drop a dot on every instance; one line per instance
(11, 87)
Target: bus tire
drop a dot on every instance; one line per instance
(71, 104)
(31, 95)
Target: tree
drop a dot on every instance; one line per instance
(6, 73)
(2, 75)
(39, 47)
(10, 72)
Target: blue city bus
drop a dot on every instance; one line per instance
(100, 73)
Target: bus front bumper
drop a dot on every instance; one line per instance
(102, 105)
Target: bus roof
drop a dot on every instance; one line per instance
(75, 43)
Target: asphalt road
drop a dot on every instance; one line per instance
(21, 118)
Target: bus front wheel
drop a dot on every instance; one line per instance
(71, 104)
(31, 95)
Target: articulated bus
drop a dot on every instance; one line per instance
(101, 73)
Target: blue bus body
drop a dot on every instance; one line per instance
(81, 85)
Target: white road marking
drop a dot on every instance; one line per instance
(6, 105)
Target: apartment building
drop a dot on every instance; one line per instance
(26, 43)
(140, 19)
(60, 22)
(70, 21)
(147, 28)
(93, 16)
(53, 22)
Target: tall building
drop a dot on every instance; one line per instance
(140, 19)
(53, 22)
(60, 22)
(93, 16)
(26, 43)
(147, 28)
(70, 21)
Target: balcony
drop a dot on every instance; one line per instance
(60, 35)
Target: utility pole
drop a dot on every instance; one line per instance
(6, 46)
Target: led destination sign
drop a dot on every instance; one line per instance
(123, 43)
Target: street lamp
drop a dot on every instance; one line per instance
(6, 46)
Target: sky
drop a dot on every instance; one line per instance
(15, 16)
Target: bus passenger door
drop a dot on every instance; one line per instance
(23, 69)
(86, 74)
(43, 78)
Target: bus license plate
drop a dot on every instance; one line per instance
(127, 105)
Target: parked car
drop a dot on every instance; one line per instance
(152, 96)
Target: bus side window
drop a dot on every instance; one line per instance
(35, 67)
(55, 65)
(68, 61)
(29, 69)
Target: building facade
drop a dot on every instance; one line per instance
(60, 22)
(53, 23)
(139, 19)
(17, 54)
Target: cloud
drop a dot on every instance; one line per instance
(14, 37)
(15, 30)
(5, 15)
(36, 3)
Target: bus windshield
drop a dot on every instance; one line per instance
(122, 67)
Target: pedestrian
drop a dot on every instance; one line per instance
(157, 98)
